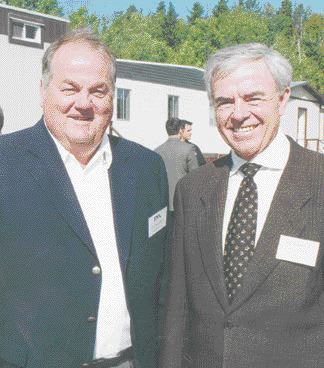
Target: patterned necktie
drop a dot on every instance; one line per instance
(240, 236)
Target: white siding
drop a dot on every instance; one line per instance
(289, 121)
(149, 112)
(20, 73)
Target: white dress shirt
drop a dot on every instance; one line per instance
(92, 187)
(273, 161)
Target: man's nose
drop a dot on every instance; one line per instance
(240, 110)
(83, 100)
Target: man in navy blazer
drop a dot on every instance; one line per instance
(82, 226)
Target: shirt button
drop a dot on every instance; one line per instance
(96, 270)
(91, 319)
(85, 365)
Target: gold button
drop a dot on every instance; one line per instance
(91, 319)
(96, 270)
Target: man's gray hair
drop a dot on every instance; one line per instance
(226, 60)
(81, 35)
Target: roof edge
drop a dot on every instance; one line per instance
(309, 89)
(162, 64)
(34, 12)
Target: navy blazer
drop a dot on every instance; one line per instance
(48, 294)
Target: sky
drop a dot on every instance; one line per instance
(108, 7)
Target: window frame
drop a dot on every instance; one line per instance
(175, 106)
(37, 42)
(126, 104)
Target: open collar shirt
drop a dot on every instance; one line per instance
(92, 188)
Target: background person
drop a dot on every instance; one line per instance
(179, 157)
(185, 136)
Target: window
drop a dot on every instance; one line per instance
(25, 32)
(302, 126)
(173, 106)
(123, 104)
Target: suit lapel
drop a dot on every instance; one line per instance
(286, 216)
(123, 181)
(210, 224)
(44, 163)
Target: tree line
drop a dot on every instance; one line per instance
(163, 36)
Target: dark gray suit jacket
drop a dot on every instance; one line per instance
(277, 319)
(179, 159)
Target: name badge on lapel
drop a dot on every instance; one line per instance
(297, 250)
(157, 222)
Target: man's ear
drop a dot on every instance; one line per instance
(283, 100)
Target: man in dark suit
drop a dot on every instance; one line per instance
(246, 288)
(82, 227)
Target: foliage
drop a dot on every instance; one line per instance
(162, 36)
(196, 12)
(220, 8)
(42, 6)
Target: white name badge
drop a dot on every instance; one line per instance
(297, 250)
(157, 222)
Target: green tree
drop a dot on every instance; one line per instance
(130, 36)
(196, 12)
(82, 19)
(269, 11)
(286, 8)
(252, 6)
(220, 8)
(169, 31)
(198, 44)
(161, 8)
(131, 9)
(42, 6)
(239, 26)
(49, 7)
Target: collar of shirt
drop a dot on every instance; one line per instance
(103, 152)
(278, 148)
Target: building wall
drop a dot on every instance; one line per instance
(149, 112)
(20, 66)
(289, 122)
(20, 73)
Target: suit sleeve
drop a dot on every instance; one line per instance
(173, 333)
(192, 162)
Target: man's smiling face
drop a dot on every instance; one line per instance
(247, 107)
(78, 101)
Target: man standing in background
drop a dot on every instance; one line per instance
(185, 136)
(178, 156)
(82, 226)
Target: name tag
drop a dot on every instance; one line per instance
(157, 221)
(297, 250)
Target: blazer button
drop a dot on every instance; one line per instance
(91, 319)
(96, 270)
